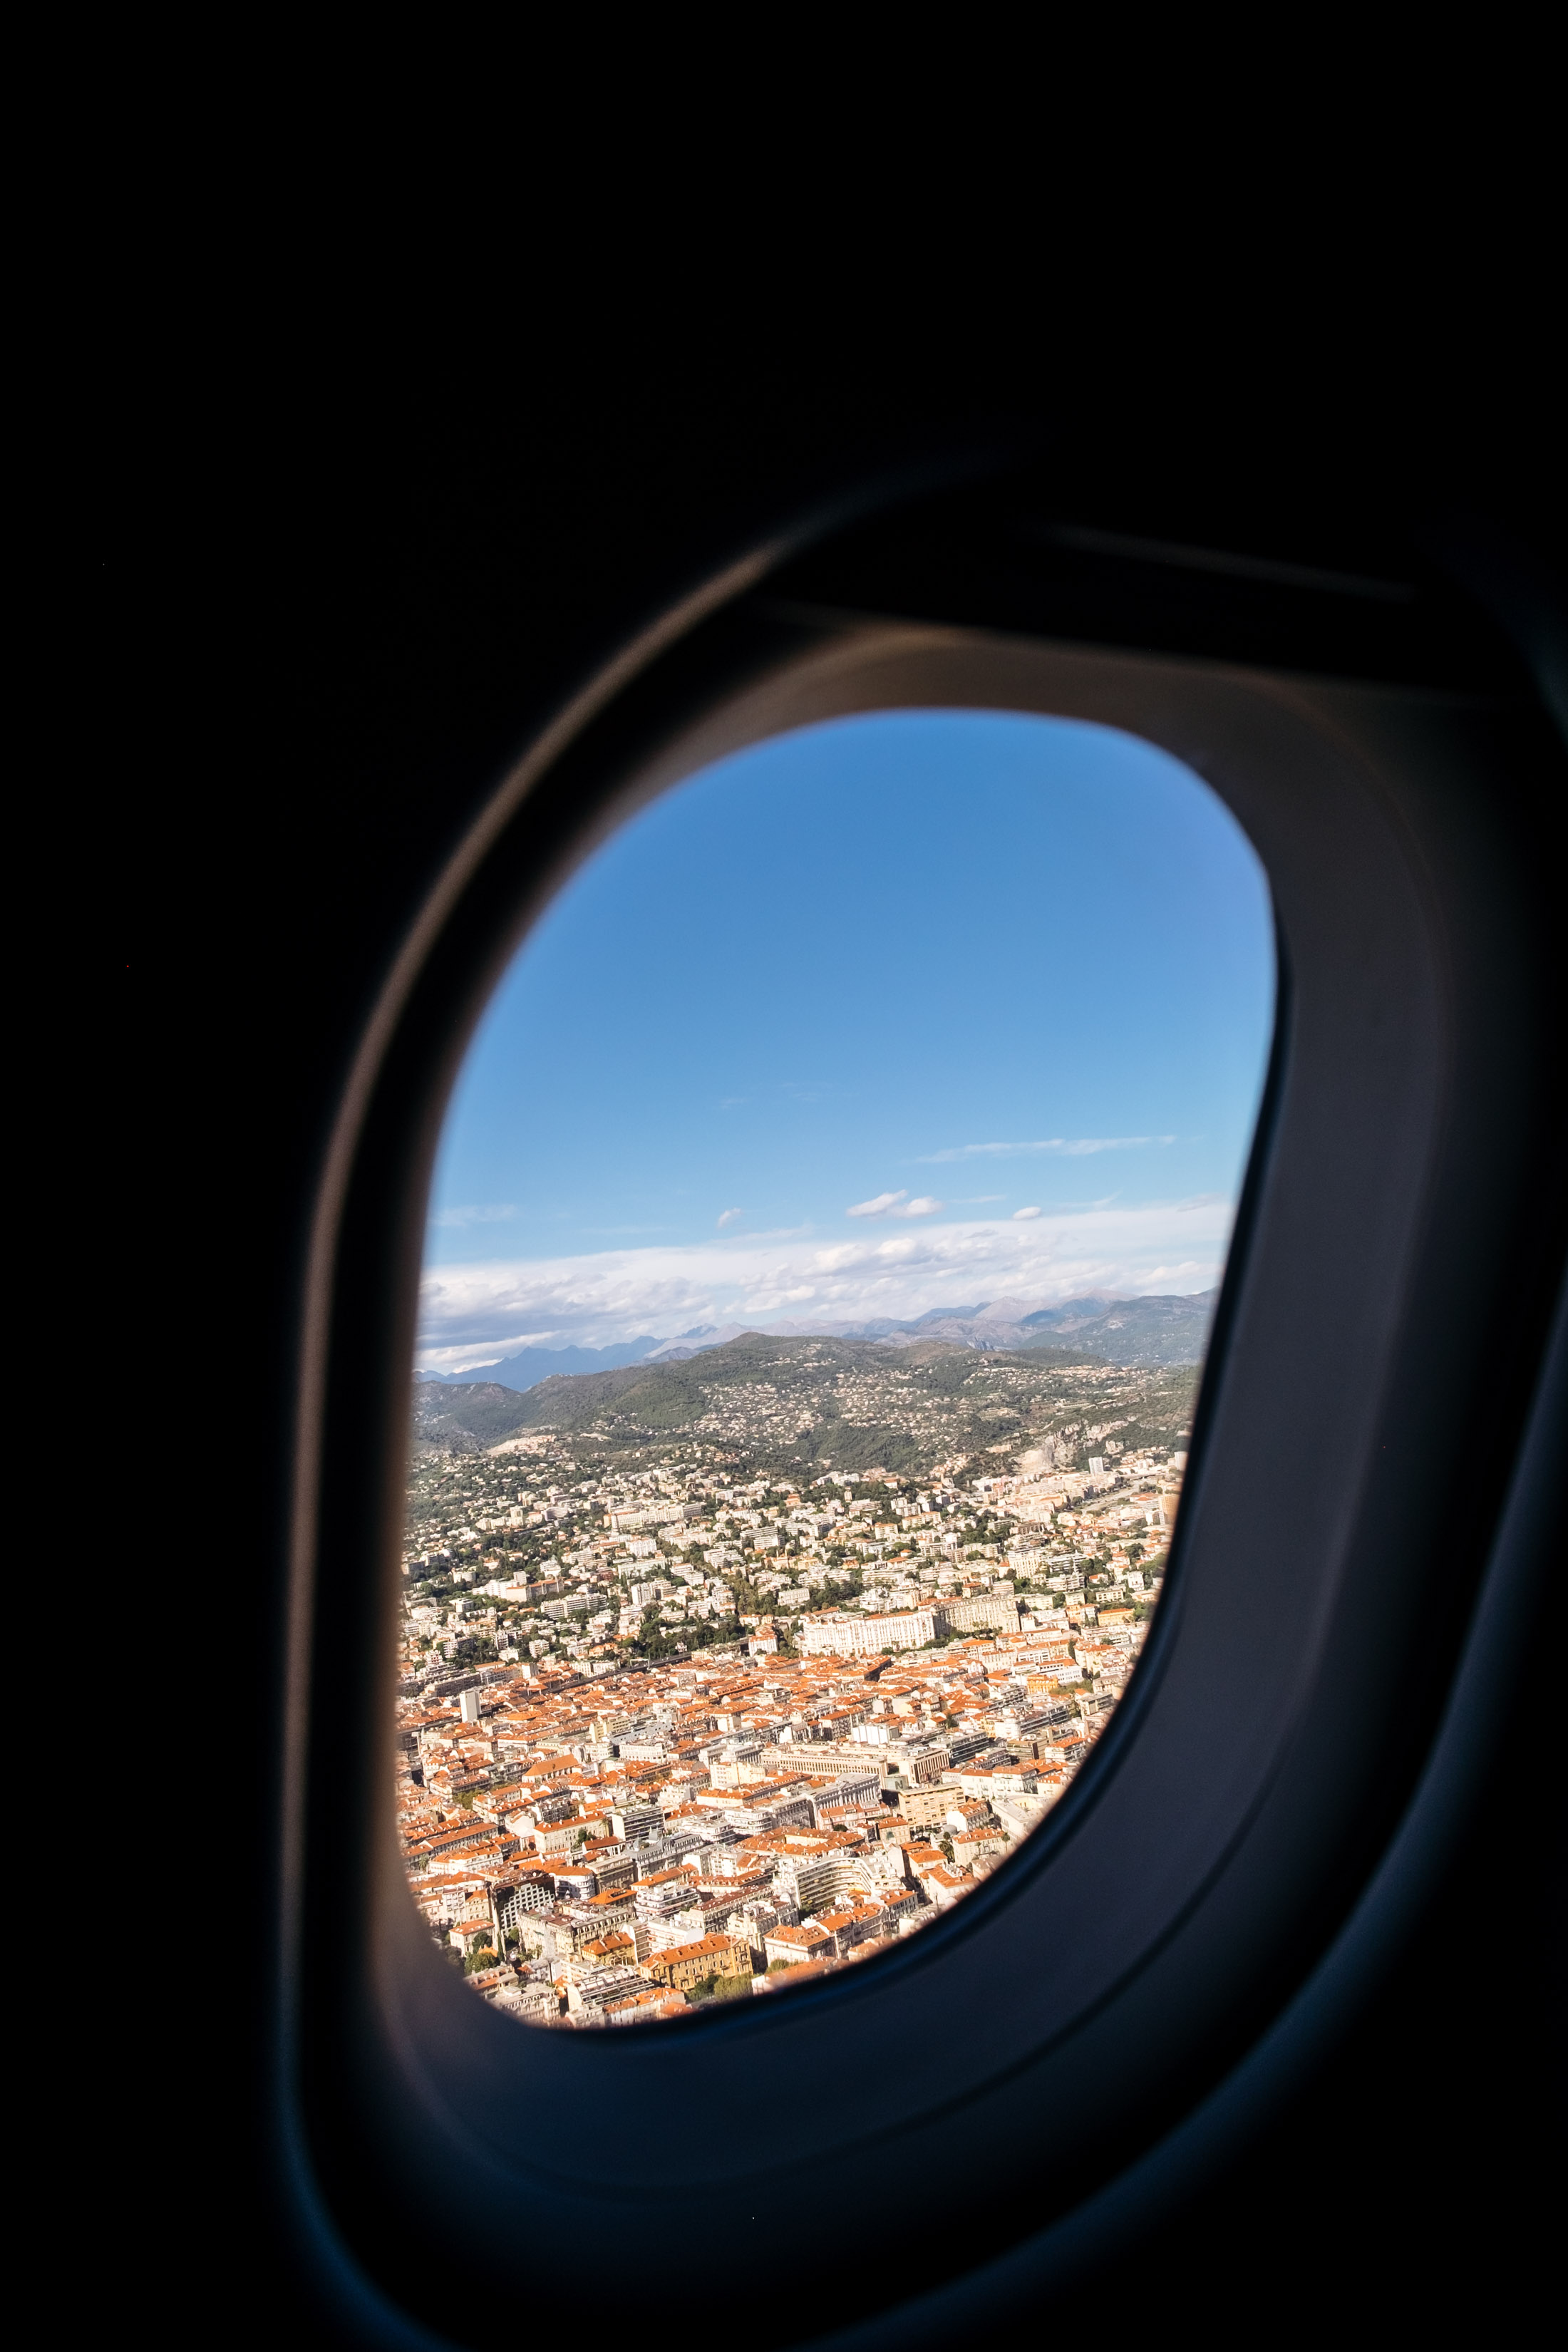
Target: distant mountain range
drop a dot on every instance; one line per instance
(532, 1365)
(1151, 1331)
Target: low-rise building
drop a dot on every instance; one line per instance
(789, 1947)
(653, 2004)
(860, 1922)
(685, 1965)
(587, 1998)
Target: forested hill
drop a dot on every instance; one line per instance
(464, 1417)
(820, 1402)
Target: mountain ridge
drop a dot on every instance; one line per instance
(1157, 1327)
(1154, 1333)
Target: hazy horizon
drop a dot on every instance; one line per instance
(716, 1334)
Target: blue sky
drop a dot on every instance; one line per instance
(915, 1009)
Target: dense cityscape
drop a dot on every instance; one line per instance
(721, 1675)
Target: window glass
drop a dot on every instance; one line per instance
(821, 1256)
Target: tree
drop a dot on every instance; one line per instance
(654, 1639)
(718, 1987)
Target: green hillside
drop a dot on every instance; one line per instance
(810, 1404)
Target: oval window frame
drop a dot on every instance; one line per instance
(1368, 807)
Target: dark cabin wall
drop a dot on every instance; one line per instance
(332, 611)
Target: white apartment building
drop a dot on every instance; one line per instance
(865, 1637)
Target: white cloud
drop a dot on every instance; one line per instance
(495, 1215)
(727, 1218)
(1019, 1214)
(896, 1204)
(495, 1307)
(878, 1207)
(1073, 1147)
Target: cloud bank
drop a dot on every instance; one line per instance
(470, 1314)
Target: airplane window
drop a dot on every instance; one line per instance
(821, 1254)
